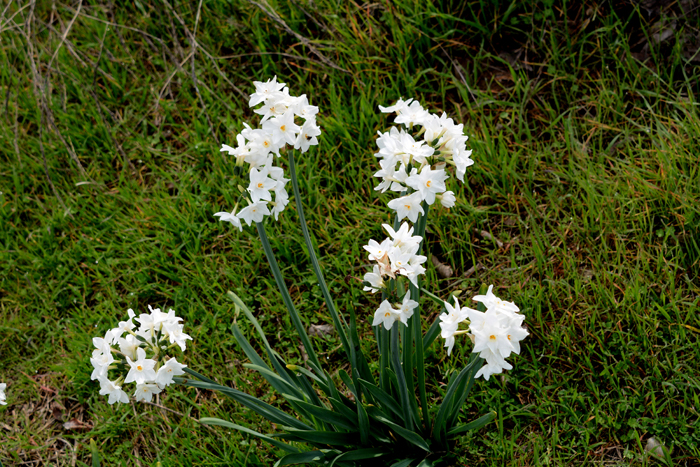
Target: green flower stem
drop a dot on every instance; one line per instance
(340, 326)
(383, 341)
(293, 314)
(435, 298)
(401, 380)
(417, 331)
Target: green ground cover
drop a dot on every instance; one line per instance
(582, 207)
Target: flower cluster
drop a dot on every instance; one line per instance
(156, 330)
(397, 254)
(495, 333)
(387, 315)
(416, 167)
(256, 148)
(2, 393)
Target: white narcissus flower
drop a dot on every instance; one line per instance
(400, 261)
(385, 315)
(307, 135)
(262, 143)
(429, 183)
(495, 364)
(255, 212)
(145, 391)
(265, 91)
(260, 185)
(407, 307)
(398, 107)
(449, 322)
(2, 394)
(492, 301)
(115, 393)
(164, 376)
(142, 369)
(283, 128)
(414, 114)
(123, 326)
(128, 345)
(230, 217)
(462, 161)
(100, 362)
(493, 336)
(176, 336)
(302, 108)
(408, 206)
(447, 199)
(377, 251)
(241, 151)
(404, 238)
(274, 107)
(375, 280)
(496, 332)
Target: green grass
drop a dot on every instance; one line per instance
(584, 130)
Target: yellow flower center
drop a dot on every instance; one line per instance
(140, 368)
(428, 183)
(260, 185)
(387, 314)
(266, 143)
(492, 337)
(283, 128)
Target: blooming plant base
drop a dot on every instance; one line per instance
(360, 417)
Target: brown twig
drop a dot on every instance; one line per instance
(274, 16)
(38, 94)
(65, 34)
(193, 45)
(180, 414)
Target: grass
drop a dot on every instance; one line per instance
(584, 127)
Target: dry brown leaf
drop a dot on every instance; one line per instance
(490, 237)
(321, 330)
(443, 270)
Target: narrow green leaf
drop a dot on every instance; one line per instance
(286, 298)
(95, 454)
(257, 360)
(383, 398)
(200, 376)
(302, 458)
(474, 425)
(410, 436)
(431, 335)
(425, 463)
(358, 455)
(419, 361)
(343, 409)
(441, 417)
(224, 423)
(364, 423)
(406, 406)
(277, 362)
(321, 437)
(264, 409)
(463, 391)
(348, 382)
(267, 372)
(324, 414)
(335, 316)
(403, 463)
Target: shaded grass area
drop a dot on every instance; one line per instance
(582, 208)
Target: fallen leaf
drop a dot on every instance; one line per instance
(321, 330)
(443, 270)
(490, 237)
